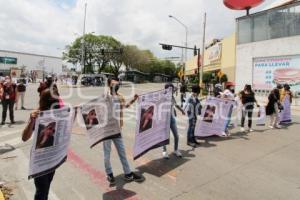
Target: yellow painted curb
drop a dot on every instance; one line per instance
(1, 196)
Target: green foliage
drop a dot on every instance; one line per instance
(132, 57)
(224, 78)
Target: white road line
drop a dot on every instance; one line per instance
(28, 189)
(12, 142)
(6, 133)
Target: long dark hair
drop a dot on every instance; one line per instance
(49, 100)
(248, 88)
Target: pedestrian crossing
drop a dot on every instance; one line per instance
(10, 138)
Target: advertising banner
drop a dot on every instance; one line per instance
(153, 121)
(51, 139)
(215, 116)
(268, 72)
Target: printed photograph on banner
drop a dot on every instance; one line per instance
(90, 119)
(46, 134)
(146, 117)
(209, 113)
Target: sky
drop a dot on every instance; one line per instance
(47, 26)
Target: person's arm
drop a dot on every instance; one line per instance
(132, 101)
(27, 132)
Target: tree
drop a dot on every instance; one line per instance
(74, 52)
(96, 49)
(224, 78)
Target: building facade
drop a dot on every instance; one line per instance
(30, 62)
(268, 48)
(218, 57)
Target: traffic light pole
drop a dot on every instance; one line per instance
(196, 52)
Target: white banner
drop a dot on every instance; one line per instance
(285, 114)
(261, 116)
(98, 118)
(52, 134)
(153, 121)
(215, 116)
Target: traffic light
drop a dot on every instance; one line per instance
(195, 51)
(167, 47)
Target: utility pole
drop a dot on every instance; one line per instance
(82, 41)
(203, 47)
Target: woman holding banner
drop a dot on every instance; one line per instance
(273, 108)
(286, 100)
(248, 99)
(47, 102)
(173, 124)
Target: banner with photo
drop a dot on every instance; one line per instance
(153, 121)
(261, 116)
(285, 114)
(215, 116)
(97, 116)
(51, 139)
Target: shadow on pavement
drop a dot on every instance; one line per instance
(161, 166)
(120, 193)
(6, 148)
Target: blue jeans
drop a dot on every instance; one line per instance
(122, 155)
(191, 130)
(174, 130)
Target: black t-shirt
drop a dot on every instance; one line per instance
(248, 99)
(21, 87)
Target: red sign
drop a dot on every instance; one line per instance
(242, 4)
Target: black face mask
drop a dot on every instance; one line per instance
(114, 89)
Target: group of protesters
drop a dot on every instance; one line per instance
(191, 107)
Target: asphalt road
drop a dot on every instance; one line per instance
(263, 164)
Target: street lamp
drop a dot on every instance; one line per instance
(186, 39)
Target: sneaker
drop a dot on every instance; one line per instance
(133, 177)
(250, 130)
(177, 153)
(111, 179)
(242, 129)
(271, 127)
(23, 108)
(165, 155)
(278, 127)
(191, 144)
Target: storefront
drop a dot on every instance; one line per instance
(268, 50)
(219, 57)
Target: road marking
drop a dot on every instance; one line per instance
(13, 142)
(23, 172)
(97, 176)
(6, 133)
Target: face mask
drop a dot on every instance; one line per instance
(114, 89)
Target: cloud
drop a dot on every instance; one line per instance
(42, 26)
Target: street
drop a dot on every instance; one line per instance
(259, 165)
